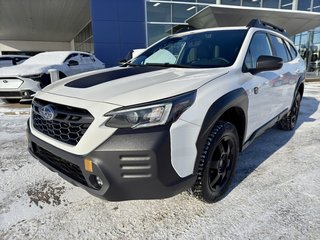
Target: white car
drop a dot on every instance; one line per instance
(22, 81)
(173, 118)
(10, 60)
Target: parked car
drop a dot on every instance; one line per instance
(22, 81)
(173, 118)
(10, 60)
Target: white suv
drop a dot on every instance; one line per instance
(173, 118)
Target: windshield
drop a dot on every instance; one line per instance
(47, 58)
(200, 50)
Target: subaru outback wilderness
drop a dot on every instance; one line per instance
(171, 119)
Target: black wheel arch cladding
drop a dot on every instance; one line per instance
(237, 98)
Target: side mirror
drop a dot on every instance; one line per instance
(73, 63)
(267, 63)
(123, 61)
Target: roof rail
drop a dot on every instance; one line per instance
(262, 24)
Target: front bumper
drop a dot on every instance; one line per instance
(16, 94)
(131, 164)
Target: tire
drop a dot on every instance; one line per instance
(289, 121)
(217, 163)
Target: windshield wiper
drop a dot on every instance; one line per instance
(168, 65)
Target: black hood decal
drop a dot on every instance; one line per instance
(93, 80)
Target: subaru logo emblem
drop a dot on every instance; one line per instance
(47, 112)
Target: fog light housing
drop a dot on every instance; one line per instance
(96, 181)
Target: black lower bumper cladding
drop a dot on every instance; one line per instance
(131, 164)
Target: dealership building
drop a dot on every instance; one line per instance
(112, 28)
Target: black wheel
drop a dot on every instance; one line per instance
(289, 121)
(217, 163)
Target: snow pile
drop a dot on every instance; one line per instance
(275, 193)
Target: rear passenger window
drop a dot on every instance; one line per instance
(86, 58)
(259, 46)
(280, 49)
(292, 50)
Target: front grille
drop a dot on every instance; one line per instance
(68, 125)
(10, 94)
(71, 170)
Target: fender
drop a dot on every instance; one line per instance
(236, 98)
(300, 81)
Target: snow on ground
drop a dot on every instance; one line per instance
(275, 194)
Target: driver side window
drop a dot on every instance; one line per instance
(259, 45)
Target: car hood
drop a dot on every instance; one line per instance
(133, 85)
(24, 70)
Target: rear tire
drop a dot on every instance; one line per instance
(289, 121)
(217, 163)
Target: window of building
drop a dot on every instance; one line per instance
(207, 1)
(158, 31)
(316, 38)
(83, 41)
(158, 12)
(304, 5)
(250, 3)
(280, 49)
(271, 3)
(185, 0)
(316, 6)
(231, 2)
(286, 4)
(259, 45)
(181, 12)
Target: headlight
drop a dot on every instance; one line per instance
(34, 76)
(158, 113)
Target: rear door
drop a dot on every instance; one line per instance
(289, 73)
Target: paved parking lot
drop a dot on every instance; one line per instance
(275, 195)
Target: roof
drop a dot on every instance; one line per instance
(14, 56)
(53, 57)
(208, 29)
(220, 16)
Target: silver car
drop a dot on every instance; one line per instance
(22, 81)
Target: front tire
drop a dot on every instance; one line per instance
(217, 163)
(289, 121)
